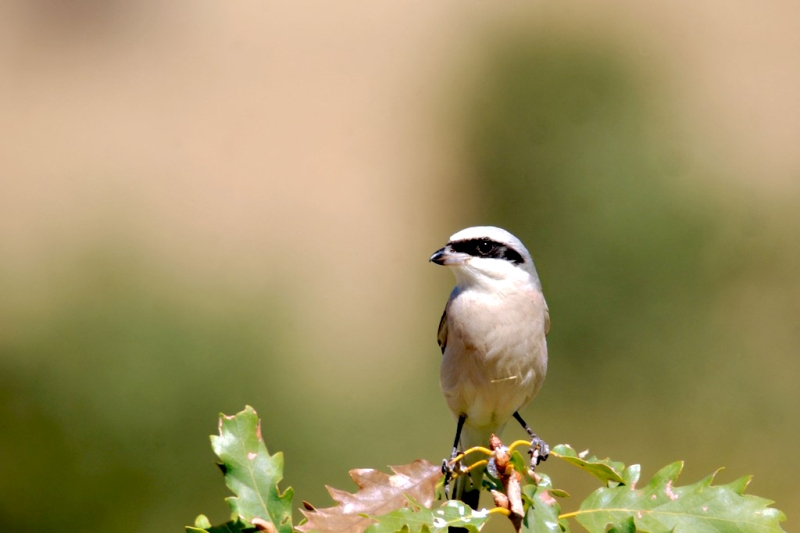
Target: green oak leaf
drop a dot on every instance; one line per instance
(520, 463)
(662, 506)
(627, 526)
(251, 472)
(605, 470)
(417, 519)
(541, 508)
(202, 525)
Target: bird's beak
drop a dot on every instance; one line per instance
(445, 256)
(439, 256)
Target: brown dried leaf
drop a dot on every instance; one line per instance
(378, 494)
(510, 479)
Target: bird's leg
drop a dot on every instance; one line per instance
(447, 468)
(539, 451)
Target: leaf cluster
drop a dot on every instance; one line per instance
(406, 499)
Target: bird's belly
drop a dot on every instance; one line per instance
(489, 385)
(495, 358)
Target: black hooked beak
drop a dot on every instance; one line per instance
(439, 256)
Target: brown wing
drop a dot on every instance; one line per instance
(442, 335)
(546, 321)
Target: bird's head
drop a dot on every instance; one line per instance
(483, 253)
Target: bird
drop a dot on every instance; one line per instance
(492, 335)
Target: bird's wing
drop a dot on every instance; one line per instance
(546, 321)
(442, 335)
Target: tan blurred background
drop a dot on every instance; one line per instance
(212, 204)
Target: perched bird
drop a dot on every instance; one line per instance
(492, 336)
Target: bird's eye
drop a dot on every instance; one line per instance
(485, 247)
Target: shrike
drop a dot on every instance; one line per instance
(492, 336)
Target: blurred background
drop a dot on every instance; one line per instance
(208, 204)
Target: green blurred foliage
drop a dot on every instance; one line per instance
(110, 389)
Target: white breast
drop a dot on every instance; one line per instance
(496, 355)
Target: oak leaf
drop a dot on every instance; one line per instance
(379, 493)
(662, 505)
(606, 470)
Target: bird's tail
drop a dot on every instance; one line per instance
(467, 488)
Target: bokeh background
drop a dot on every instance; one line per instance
(210, 204)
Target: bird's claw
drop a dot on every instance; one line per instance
(451, 471)
(448, 472)
(539, 451)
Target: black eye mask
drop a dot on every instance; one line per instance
(487, 248)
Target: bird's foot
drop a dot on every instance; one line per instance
(451, 470)
(539, 451)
